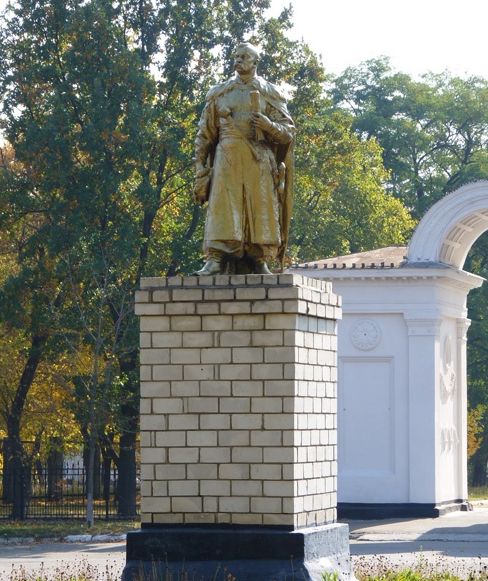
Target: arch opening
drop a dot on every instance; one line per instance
(451, 227)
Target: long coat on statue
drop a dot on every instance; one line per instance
(251, 175)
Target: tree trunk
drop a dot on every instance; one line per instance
(478, 474)
(126, 480)
(19, 465)
(7, 476)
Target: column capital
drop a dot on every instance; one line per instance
(423, 322)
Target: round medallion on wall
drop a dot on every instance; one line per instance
(365, 334)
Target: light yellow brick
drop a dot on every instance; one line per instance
(234, 471)
(183, 422)
(266, 505)
(183, 488)
(198, 372)
(217, 355)
(186, 504)
(169, 405)
(277, 455)
(266, 405)
(154, 324)
(219, 294)
(234, 504)
(142, 296)
(234, 437)
(235, 405)
(215, 487)
(198, 405)
(144, 340)
(145, 372)
(167, 372)
(185, 388)
(248, 322)
(185, 355)
(202, 438)
(267, 371)
(247, 488)
(182, 455)
(235, 339)
(267, 438)
(247, 354)
(154, 356)
(161, 296)
(170, 472)
(202, 471)
(153, 504)
(247, 388)
(180, 308)
(152, 422)
(217, 323)
(153, 455)
(235, 371)
(159, 488)
(267, 307)
(278, 488)
(186, 323)
(149, 309)
(170, 438)
(215, 388)
(250, 293)
(213, 455)
(280, 321)
(279, 354)
(201, 339)
(208, 308)
(246, 421)
(167, 339)
(235, 307)
(247, 454)
(187, 294)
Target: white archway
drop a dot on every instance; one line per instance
(449, 229)
(402, 402)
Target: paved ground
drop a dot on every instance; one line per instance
(457, 542)
(104, 560)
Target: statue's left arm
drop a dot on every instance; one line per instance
(276, 123)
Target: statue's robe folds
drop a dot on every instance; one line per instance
(249, 210)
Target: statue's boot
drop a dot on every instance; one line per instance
(262, 268)
(209, 268)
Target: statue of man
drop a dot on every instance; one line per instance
(244, 168)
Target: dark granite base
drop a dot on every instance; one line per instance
(247, 553)
(371, 511)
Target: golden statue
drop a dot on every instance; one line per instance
(244, 169)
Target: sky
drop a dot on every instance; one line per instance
(419, 36)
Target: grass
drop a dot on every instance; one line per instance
(54, 529)
(478, 493)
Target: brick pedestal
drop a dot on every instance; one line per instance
(238, 423)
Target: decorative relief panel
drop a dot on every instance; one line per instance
(448, 373)
(449, 438)
(365, 335)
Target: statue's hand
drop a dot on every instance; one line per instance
(202, 184)
(261, 121)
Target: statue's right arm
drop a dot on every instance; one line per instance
(207, 135)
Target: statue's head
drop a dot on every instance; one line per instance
(246, 57)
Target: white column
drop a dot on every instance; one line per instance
(462, 401)
(423, 379)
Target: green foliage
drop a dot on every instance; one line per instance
(433, 131)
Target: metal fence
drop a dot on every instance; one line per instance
(61, 493)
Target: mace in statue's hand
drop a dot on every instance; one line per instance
(260, 121)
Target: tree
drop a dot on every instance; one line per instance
(433, 132)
